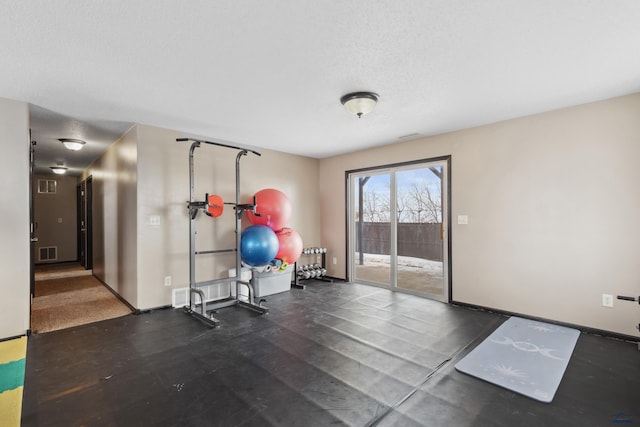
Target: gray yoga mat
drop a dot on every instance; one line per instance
(525, 356)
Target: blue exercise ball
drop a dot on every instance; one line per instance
(258, 245)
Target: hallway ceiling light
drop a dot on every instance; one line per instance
(359, 103)
(59, 170)
(72, 144)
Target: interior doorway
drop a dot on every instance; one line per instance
(85, 223)
(64, 291)
(32, 228)
(399, 227)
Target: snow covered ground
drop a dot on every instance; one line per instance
(409, 264)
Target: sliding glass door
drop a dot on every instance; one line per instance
(398, 227)
(372, 229)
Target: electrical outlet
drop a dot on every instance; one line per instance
(607, 300)
(335, 260)
(167, 280)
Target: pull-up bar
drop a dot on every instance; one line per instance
(213, 206)
(201, 141)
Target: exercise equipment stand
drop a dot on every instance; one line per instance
(206, 309)
(626, 298)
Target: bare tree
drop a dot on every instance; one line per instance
(375, 207)
(403, 208)
(421, 203)
(425, 204)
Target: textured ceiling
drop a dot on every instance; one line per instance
(269, 74)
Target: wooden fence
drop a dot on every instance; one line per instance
(419, 240)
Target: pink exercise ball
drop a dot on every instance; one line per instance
(273, 209)
(290, 245)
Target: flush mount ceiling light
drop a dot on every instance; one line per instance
(72, 144)
(359, 103)
(59, 170)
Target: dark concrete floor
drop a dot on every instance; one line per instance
(331, 354)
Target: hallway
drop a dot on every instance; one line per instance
(67, 295)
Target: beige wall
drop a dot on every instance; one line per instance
(551, 198)
(144, 179)
(553, 205)
(14, 218)
(163, 190)
(56, 216)
(114, 217)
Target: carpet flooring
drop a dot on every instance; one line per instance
(72, 301)
(60, 270)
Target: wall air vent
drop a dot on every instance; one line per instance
(48, 254)
(180, 297)
(46, 186)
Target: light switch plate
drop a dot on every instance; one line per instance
(463, 219)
